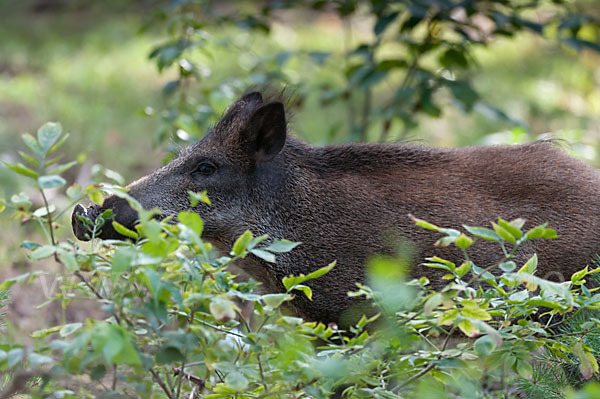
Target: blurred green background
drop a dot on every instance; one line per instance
(88, 66)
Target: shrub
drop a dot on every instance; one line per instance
(178, 324)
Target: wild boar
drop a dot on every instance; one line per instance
(344, 201)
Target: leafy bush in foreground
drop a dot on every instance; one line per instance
(179, 325)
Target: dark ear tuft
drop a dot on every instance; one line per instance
(254, 97)
(242, 107)
(266, 132)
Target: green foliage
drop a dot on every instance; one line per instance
(178, 324)
(417, 53)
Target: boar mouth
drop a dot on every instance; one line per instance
(122, 213)
(79, 228)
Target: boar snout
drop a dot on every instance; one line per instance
(122, 213)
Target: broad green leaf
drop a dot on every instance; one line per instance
(474, 312)
(68, 259)
(484, 346)
(122, 260)
(63, 168)
(198, 197)
(14, 356)
(58, 144)
(432, 303)
(43, 252)
(43, 211)
(48, 134)
(275, 300)
(318, 273)
(222, 309)
(241, 244)
(267, 256)
(482, 232)
(35, 359)
(124, 231)
(508, 266)
(424, 224)
(236, 381)
(505, 234)
(282, 246)
(512, 227)
(463, 241)
(463, 269)
(33, 144)
(579, 275)
(468, 328)
(22, 170)
(587, 362)
(541, 232)
(191, 220)
(69, 329)
(530, 266)
(306, 289)
(523, 368)
(51, 181)
(45, 332)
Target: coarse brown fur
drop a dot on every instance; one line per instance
(342, 201)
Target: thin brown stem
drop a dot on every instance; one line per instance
(161, 383)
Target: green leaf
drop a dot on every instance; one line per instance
(432, 303)
(541, 232)
(424, 224)
(512, 227)
(463, 241)
(191, 220)
(463, 269)
(306, 289)
(58, 144)
(282, 246)
(524, 369)
(236, 381)
(33, 144)
(484, 346)
(275, 300)
(29, 158)
(505, 234)
(198, 197)
(63, 168)
(468, 328)
(587, 362)
(68, 259)
(45, 332)
(474, 312)
(14, 356)
(530, 266)
(508, 266)
(22, 170)
(482, 232)
(48, 134)
(51, 181)
(124, 231)
(69, 329)
(43, 252)
(318, 273)
(267, 256)
(122, 260)
(222, 309)
(241, 244)
(579, 275)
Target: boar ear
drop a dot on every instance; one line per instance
(266, 132)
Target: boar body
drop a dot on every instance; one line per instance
(348, 202)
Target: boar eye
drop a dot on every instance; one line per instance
(204, 169)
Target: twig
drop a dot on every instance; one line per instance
(161, 383)
(190, 377)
